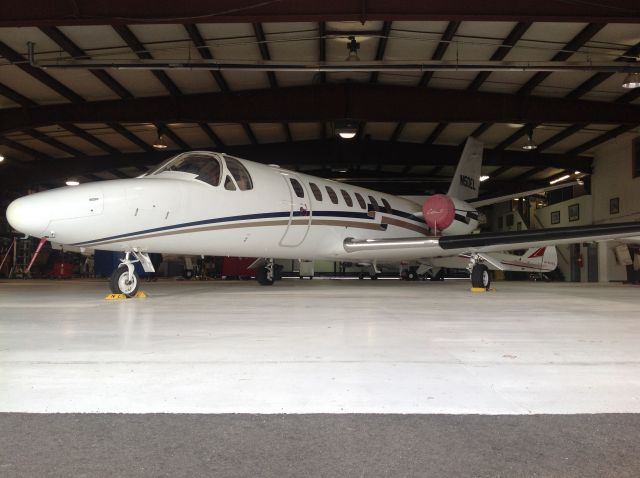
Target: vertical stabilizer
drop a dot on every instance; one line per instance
(466, 180)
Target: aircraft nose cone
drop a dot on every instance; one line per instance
(28, 215)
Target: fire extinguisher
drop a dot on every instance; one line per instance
(580, 261)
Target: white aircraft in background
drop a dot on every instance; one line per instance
(207, 203)
(538, 260)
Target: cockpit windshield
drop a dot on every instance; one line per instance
(205, 167)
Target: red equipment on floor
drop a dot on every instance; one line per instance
(233, 267)
(61, 270)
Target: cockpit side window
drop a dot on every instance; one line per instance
(228, 184)
(205, 167)
(239, 173)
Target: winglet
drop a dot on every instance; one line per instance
(466, 180)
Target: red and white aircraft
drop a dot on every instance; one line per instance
(207, 203)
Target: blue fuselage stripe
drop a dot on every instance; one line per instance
(245, 217)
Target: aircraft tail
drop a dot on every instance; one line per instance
(544, 258)
(535, 259)
(466, 180)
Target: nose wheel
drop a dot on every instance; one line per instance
(124, 279)
(124, 283)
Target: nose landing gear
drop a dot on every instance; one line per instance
(124, 279)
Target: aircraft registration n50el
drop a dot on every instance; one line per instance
(207, 203)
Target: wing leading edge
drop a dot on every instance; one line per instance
(415, 248)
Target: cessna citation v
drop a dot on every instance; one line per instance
(208, 203)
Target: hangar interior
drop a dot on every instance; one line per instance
(378, 95)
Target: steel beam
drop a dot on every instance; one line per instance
(205, 52)
(438, 54)
(90, 12)
(317, 152)
(363, 102)
(577, 42)
(273, 81)
(18, 60)
(614, 133)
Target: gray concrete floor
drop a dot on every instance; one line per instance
(319, 378)
(88, 445)
(320, 347)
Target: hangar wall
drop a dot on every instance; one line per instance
(585, 217)
(613, 178)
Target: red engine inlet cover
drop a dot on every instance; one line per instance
(439, 212)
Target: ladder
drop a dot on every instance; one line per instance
(6, 256)
(22, 251)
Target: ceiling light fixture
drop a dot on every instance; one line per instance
(72, 182)
(530, 145)
(563, 178)
(484, 178)
(632, 80)
(353, 46)
(160, 142)
(346, 129)
(577, 172)
(1, 158)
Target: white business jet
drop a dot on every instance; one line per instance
(207, 203)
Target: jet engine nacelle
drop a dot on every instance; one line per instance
(450, 216)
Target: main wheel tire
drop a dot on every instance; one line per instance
(262, 276)
(480, 278)
(120, 285)
(412, 275)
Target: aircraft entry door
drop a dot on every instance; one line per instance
(299, 212)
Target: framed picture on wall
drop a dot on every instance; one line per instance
(574, 212)
(614, 206)
(555, 217)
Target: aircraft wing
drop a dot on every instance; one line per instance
(433, 246)
(531, 192)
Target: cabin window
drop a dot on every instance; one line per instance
(239, 173)
(297, 187)
(332, 195)
(228, 184)
(347, 198)
(316, 191)
(361, 201)
(374, 203)
(205, 167)
(387, 206)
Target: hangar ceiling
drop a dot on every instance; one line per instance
(101, 123)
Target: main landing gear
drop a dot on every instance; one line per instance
(480, 277)
(124, 279)
(266, 275)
